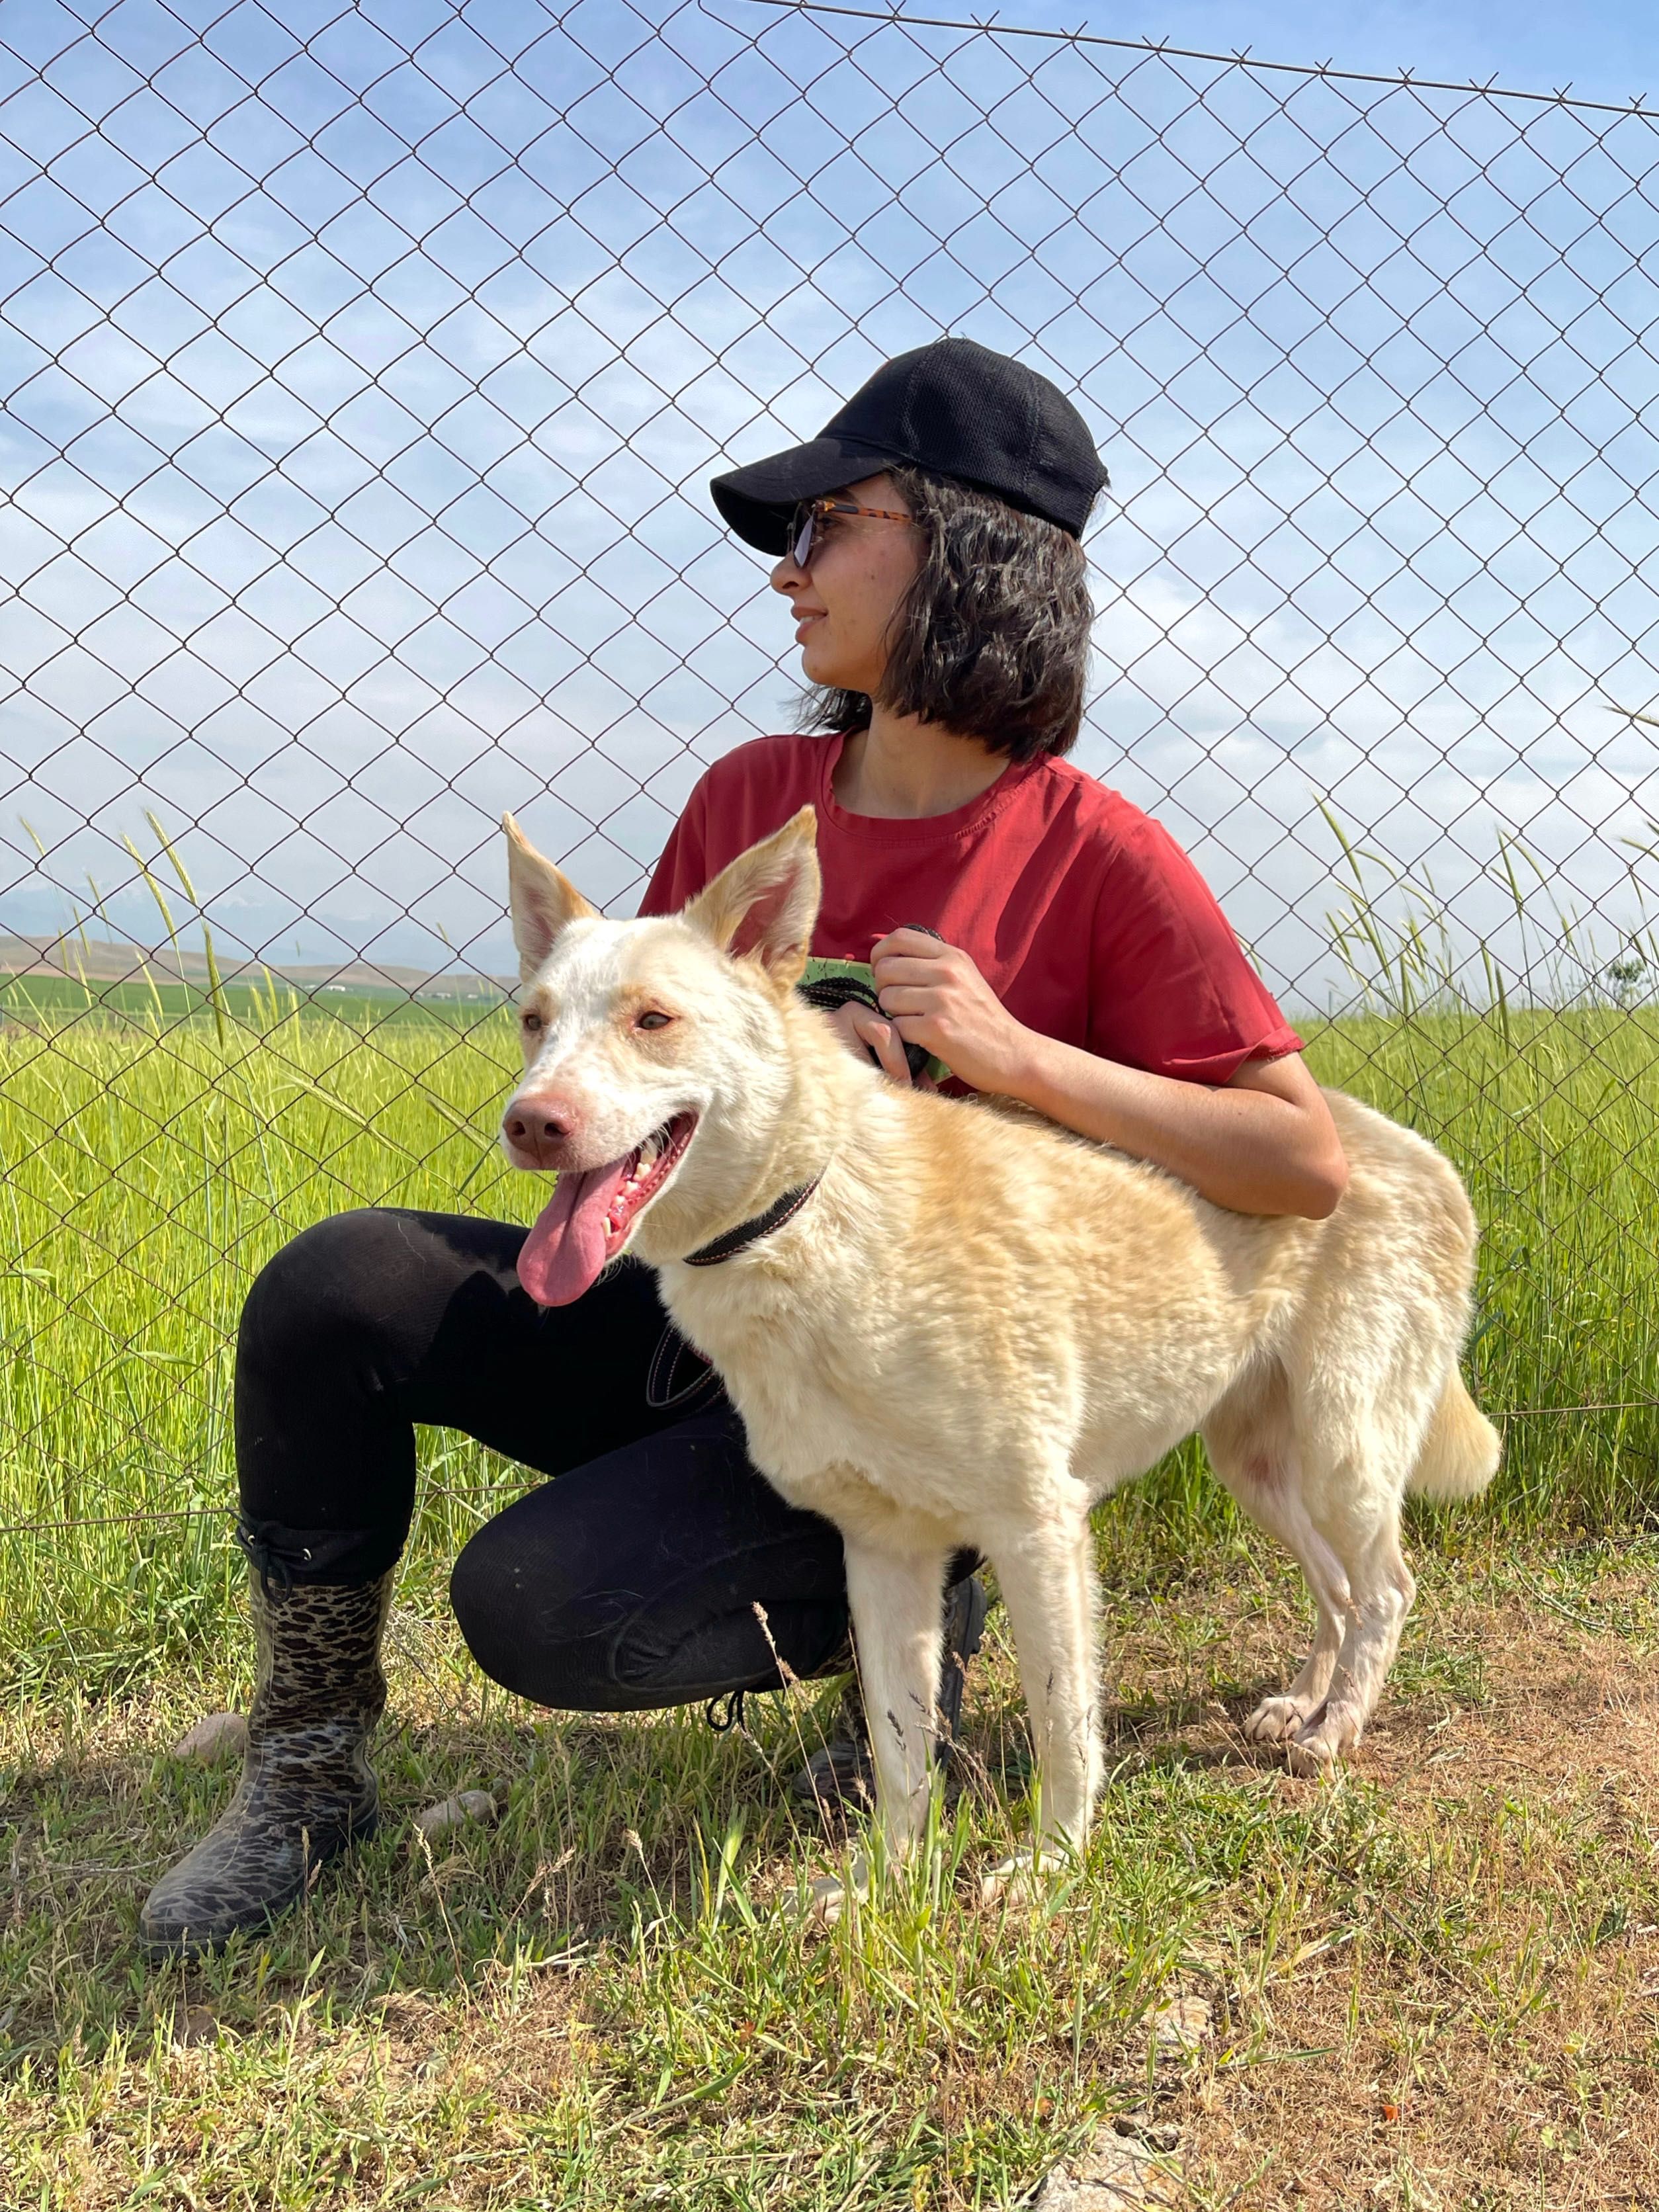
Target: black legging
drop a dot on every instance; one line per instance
(632, 1581)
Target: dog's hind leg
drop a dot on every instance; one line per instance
(1252, 1449)
(1367, 1537)
(897, 1628)
(1361, 1433)
(1046, 1579)
(1276, 1720)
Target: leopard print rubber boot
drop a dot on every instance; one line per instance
(306, 1791)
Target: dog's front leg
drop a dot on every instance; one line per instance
(897, 1608)
(1047, 1584)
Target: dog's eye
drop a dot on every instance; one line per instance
(530, 1021)
(654, 1021)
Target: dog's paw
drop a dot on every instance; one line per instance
(1321, 1746)
(1276, 1720)
(1012, 1881)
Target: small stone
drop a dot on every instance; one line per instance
(456, 1812)
(826, 1896)
(1058, 2192)
(220, 1735)
(193, 2024)
(1117, 2174)
(1181, 2025)
(1161, 2135)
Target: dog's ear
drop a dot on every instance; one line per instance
(767, 901)
(543, 899)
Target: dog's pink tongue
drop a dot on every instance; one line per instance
(563, 1254)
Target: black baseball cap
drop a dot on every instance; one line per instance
(953, 408)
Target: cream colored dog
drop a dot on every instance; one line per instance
(977, 1325)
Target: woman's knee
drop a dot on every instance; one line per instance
(475, 1600)
(324, 1287)
(312, 1281)
(517, 1622)
(563, 1628)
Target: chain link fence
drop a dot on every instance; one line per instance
(363, 370)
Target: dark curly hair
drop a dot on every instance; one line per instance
(992, 638)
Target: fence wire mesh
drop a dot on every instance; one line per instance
(364, 369)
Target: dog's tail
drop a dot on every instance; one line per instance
(1461, 1449)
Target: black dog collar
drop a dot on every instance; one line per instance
(750, 1232)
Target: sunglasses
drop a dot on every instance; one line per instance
(807, 525)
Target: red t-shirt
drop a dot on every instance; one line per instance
(1085, 918)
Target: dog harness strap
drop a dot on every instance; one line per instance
(829, 994)
(750, 1232)
(664, 1384)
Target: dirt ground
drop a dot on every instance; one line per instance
(1482, 2027)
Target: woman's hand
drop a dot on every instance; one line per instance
(936, 998)
(859, 1027)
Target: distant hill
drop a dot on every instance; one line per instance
(109, 960)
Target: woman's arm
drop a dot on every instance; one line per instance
(1264, 1143)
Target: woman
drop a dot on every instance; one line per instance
(987, 910)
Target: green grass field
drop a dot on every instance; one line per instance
(151, 1169)
(596, 2003)
(50, 1001)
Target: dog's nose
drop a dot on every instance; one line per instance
(538, 1130)
(528, 1129)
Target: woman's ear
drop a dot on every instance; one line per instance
(543, 899)
(767, 901)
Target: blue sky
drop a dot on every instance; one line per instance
(1605, 52)
(362, 392)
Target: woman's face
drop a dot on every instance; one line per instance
(844, 600)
